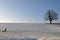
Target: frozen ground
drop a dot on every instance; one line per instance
(29, 31)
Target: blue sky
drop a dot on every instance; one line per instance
(27, 10)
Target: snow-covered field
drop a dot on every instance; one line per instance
(29, 31)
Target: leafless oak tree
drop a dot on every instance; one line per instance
(51, 15)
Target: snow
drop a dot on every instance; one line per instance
(29, 31)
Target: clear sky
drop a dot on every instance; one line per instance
(27, 10)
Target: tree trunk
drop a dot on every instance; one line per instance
(50, 21)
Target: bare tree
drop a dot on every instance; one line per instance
(51, 15)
